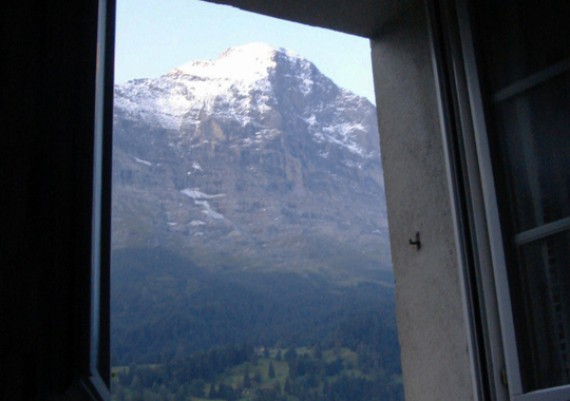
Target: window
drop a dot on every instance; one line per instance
(229, 231)
(51, 50)
(526, 75)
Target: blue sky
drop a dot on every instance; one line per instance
(155, 36)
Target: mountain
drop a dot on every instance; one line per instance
(248, 207)
(253, 161)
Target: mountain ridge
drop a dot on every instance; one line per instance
(261, 174)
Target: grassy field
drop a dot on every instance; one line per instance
(260, 369)
(258, 372)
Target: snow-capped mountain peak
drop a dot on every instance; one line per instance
(255, 147)
(249, 62)
(272, 91)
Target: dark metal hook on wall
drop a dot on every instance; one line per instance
(417, 242)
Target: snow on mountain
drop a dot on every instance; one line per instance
(240, 86)
(141, 161)
(247, 64)
(195, 193)
(256, 155)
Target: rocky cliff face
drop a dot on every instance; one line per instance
(255, 160)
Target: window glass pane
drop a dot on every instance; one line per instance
(542, 312)
(535, 145)
(525, 37)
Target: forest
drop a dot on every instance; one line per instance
(181, 333)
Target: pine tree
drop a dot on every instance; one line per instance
(318, 351)
(271, 371)
(257, 377)
(287, 388)
(254, 359)
(337, 347)
(326, 389)
(212, 393)
(277, 388)
(246, 378)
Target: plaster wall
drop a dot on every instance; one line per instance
(431, 321)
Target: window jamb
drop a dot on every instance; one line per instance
(448, 126)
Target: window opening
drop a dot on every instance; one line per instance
(250, 254)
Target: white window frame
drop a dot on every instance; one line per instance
(491, 210)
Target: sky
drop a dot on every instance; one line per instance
(156, 36)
